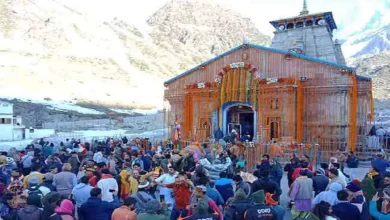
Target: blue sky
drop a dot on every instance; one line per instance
(350, 15)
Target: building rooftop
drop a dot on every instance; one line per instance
(267, 49)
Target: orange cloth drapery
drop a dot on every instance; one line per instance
(299, 111)
(352, 114)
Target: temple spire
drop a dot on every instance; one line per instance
(304, 11)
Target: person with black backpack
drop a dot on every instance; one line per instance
(35, 188)
(238, 207)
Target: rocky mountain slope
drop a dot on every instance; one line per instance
(378, 68)
(369, 51)
(54, 49)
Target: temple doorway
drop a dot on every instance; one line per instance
(242, 119)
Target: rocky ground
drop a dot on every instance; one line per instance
(34, 114)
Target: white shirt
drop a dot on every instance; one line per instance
(166, 179)
(106, 185)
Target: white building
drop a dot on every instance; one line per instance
(11, 127)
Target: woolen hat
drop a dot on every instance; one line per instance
(34, 199)
(32, 181)
(259, 197)
(353, 187)
(152, 206)
(240, 195)
(320, 171)
(66, 207)
(200, 187)
(144, 184)
(356, 182)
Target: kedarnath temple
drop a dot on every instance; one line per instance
(297, 90)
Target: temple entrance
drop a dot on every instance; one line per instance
(242, 119)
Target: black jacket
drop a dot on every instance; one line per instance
(261, 212)
(237, 209)
(96, 209)
(30, 212)
(266, 184)
(202, 217)
(320, 182)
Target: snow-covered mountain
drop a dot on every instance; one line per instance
(92, 51)
(369, 51)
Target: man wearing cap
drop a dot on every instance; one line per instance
(34, 187)
(142, 196)
(200, 193)
(201, 212)
(355, 195)
(48, 181)
(380, 163)
(34, 172)
(320, 181)
(238, 206)
(151, 211)
(260, 210)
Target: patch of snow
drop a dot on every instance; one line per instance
(19, 145)
(133, 111)
(146, 112)
(87, 135)
(60, 106)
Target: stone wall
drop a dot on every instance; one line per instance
(314, 41)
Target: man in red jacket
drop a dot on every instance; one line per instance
(181, 189)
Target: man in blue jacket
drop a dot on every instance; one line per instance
(380, 163)
(224, 186)
(95, 208)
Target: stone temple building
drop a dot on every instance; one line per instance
(298, 90)
(308, 34)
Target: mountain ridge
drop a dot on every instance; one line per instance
(75, 56)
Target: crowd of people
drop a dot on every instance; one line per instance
(119, 179)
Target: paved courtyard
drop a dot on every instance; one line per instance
(360, 173)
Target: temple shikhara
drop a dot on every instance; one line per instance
(298, 90)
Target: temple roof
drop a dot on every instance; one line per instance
(266, 49)
(328, 16)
